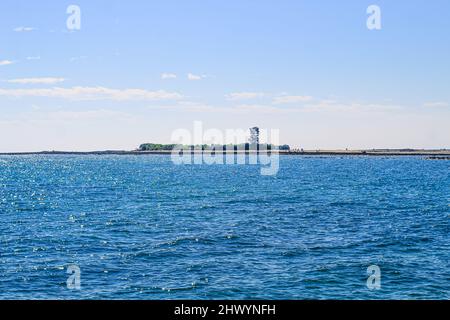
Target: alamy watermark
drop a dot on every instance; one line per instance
(73, 22)
(374, 20)
(228, 147)
(74, 279)
(374, 279)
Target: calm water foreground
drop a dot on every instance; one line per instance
(140, 227)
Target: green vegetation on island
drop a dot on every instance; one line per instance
(156, 147)
(242, 146)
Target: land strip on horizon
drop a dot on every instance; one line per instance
(371, 152)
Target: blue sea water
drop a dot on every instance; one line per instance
(140, 227)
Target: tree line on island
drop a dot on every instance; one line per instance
(216, 147)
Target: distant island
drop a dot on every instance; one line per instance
(227, 147)
(253, 145)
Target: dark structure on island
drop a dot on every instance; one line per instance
(254, 142)
(254, 136)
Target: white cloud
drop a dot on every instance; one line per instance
(244, 95)
(47, 80)
(93, 93)
(166, 76)
(291, 99)
(193, 77)
(436, 104)
(23, 29)
(34, 58)
(5, 62)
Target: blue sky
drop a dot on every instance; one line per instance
(138, 70)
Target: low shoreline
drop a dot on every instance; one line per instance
(409, 152)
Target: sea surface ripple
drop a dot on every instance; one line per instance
(140, 227)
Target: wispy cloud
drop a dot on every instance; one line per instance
(100, 114)
(252, 108)
(23, 29)
(73, 59)
(331, 106)
(244, 95)
(436, 104)
(93, 93)
(291, 99)
(5, 62)
(166, 76)
(34, 58)
(194, 77)
(47, 80)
